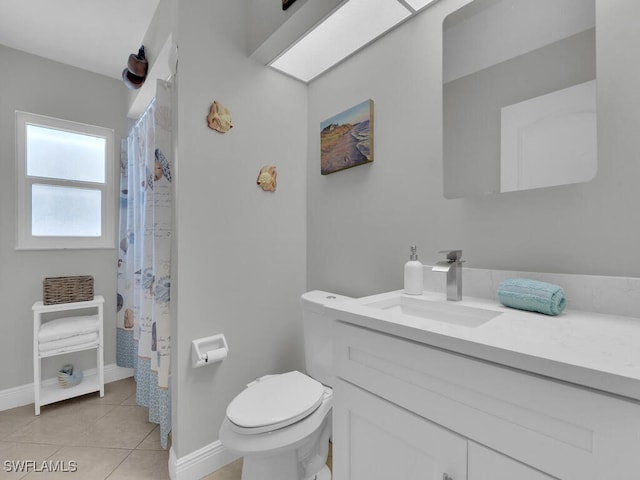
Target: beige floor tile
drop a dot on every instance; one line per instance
(233, 471)
(12, 423)
(152, 441)
(15, 419)
(62, 428)
(61, 423)
(130, 400)
(125, 426)
(26, 411)
(143, 465)
(108, 437)
(53, 431)
(115, 393)
(86, 463)
(12, 453)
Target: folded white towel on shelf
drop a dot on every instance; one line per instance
(68, 327)
(69, 342)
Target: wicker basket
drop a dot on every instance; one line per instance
(67, 289)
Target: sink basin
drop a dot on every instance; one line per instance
(440, 311)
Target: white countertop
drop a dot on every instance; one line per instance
(588, 349)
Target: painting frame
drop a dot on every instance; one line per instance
(287, 3)
(346, 139)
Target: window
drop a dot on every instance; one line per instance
(65, 184)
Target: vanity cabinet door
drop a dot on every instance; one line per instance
(376, 440)
(485, 464)
(568, 432)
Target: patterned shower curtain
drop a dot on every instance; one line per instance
(144, 261)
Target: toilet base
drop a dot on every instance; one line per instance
(284, 466)
(254, 468)
(324, 474)
(287, 453)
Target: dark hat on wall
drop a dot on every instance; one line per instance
(136, 72)
(132, 81)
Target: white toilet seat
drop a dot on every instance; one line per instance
(275, 402)
(265, 444)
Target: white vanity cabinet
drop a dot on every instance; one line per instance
(404, 409)
(386, 441)
(485, 464)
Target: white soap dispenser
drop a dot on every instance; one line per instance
(413, 274)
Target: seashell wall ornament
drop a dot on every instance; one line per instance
(267, 178)
(219, 118)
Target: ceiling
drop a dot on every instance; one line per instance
(95, 35)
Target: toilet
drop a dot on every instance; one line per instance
(281, 423)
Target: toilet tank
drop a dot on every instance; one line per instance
(318, 348)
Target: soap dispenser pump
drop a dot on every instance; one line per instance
(413, 274)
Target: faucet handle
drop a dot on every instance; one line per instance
(452, 255)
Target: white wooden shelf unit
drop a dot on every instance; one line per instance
(51, 393)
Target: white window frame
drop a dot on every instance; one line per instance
(24, 239)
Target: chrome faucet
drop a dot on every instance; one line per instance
(452, 266)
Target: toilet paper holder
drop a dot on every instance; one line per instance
(208, 350)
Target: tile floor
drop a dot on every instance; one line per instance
(107, 438)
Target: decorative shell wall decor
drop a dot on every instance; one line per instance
(267, 178)
(219, 118)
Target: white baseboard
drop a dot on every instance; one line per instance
(200, 463)
(23, 395)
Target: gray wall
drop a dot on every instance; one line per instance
(239, 263)
(362, 221)
(36, 85)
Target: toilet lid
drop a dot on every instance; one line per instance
(276, 401)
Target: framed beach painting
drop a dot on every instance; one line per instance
(346, 139)
(286, 4)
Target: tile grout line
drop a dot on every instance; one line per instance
(119, 464)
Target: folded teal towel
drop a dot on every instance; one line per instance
(531, 295)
